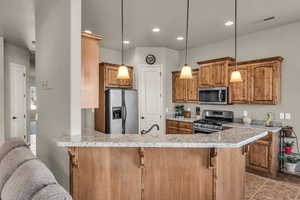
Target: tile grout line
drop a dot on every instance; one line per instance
(259, 189)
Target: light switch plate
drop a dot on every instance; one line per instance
(288, 116)
(281, 115)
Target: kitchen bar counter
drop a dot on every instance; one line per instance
(232, 138)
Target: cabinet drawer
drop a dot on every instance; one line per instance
(171, 130)
(172, 123)
(185, 125)
(185, 131)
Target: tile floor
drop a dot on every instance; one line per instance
(261, 188)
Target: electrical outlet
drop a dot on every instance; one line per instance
(288, 116)
(167, 110)
(281, 115)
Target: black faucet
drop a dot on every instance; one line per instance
(150, 129)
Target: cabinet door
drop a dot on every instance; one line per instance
(129, 82)
(179, 88)
(111, 73)
(190, 178)
(219, 74)
(258, 157)
(240, 92)
(205, 75)
(89, 72)
(106, 174)
(192, 88)
(265, 78)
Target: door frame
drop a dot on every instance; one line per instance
(23, 67)
(139, 80)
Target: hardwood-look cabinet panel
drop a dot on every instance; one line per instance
(191, 178)
(89, 70)
(266, 83)
(179, 88)
(185, 90)
(192, 88)
(240, 91)
(214, 73)
(102, 174)
(205, 76)
(258, 156)
(177, 127)
(111, 72)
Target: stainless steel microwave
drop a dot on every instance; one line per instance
(217, 95)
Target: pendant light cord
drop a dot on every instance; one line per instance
(187, 30)
(235, 33)
(122, 30)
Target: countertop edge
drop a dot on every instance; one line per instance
(161, 145)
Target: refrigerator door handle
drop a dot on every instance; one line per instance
(125, 109)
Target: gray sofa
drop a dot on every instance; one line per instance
(24, 177)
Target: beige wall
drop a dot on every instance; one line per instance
(281, 41)
(57, 63)
(1, 90)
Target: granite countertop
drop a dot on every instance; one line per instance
(191, 120)
(231, 138)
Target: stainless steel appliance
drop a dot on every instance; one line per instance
(213, 121)
(121, 111)
(217, 95)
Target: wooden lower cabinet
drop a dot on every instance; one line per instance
(178, 127)
(157, 173)
(263, 156)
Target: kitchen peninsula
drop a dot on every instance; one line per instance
(177, 167)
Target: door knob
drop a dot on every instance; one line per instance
(14, 117)
(142, 117)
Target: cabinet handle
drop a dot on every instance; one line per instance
(142, 157)
(73, 153)
(246, 149)
(212, 157)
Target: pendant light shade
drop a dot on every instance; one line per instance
(235, 75)
(186, 70)
(123, 73)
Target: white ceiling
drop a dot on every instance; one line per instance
(17, 22)
(207, 20)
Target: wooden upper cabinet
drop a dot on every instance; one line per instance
(239, 92)
(261, 82)
(205, 76)
(111, 72)
(192, 88)
(179, 85)
(214, 73)
(89, 70)
(266, 82)
(185, 90)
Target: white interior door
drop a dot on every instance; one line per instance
(17, 101)
(150, 96)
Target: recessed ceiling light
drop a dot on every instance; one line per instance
(180, 38)
(126, 42)
(229, 23)
(155, 30)
(88, 31)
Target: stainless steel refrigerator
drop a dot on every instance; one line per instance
(121, 111)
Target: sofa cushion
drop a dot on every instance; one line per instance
(27, 180)
(12, 161)
(52, 192)
(9, 145)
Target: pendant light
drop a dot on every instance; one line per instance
(235, 75)
(122, 70)
(186, 70)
